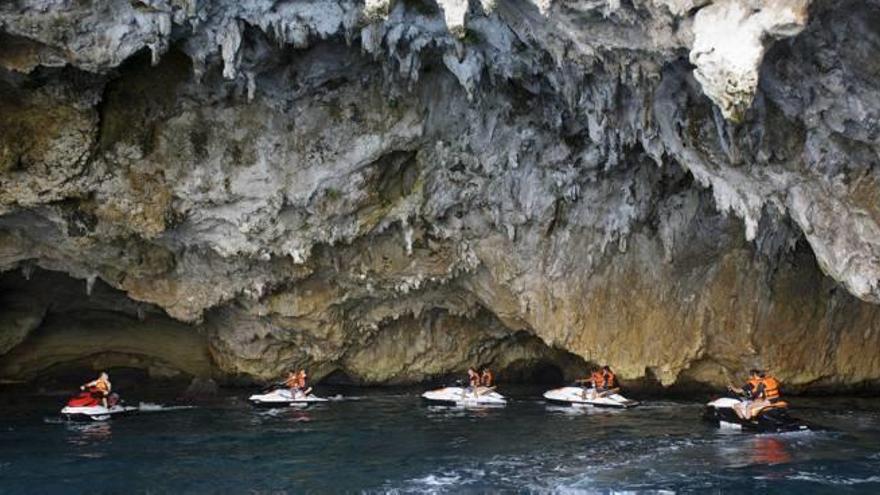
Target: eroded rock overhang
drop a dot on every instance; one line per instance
(323, 170)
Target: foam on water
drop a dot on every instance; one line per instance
(340, 398)
(151, 407)
(833, 480)
(438, 480)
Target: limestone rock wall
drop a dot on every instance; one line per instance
(395, 190)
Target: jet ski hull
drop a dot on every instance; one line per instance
(721, 413)
(578, 396)
(284, 398)
(95, 413)
(458, 396)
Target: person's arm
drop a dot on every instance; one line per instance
(758, 392)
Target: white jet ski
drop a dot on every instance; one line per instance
(96, 413)
(588, 397)
(775, 419)
(465, 396)
(283, 397)
(87, 406)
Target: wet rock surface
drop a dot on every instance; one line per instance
(396, 190)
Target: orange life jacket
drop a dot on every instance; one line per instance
(771, 388)
(610, 379)
(597, 379)
(487, 378)
(102, 385)
(292, 381)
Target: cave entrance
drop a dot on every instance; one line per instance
(69, 375)
(539, 364)
(547, 374)
(338, 377)
(127, 372)
(533, 372)
(55, 329)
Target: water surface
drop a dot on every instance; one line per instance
(388, 441)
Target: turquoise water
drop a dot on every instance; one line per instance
(388, 441)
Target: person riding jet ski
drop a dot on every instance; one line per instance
(487, 379)
(602, 381)
(750, 386)
(761, 391)
(766, 394)
(292, 380)
(101, 387)
(292, 391)
(599, 390)
(609, 378)
(480, 391)
(758, 409)
(96, 402)
(296, 382)
(473, 378)
(594, 381)
(483, 383)
(749, 392)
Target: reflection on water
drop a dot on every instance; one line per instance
(86, 434)
(463, 411)
(86, 438)
(292, 414)
(299, 416)
(391, 442)
(583, 409)
(769, 449)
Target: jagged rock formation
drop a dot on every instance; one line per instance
(394, 190)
